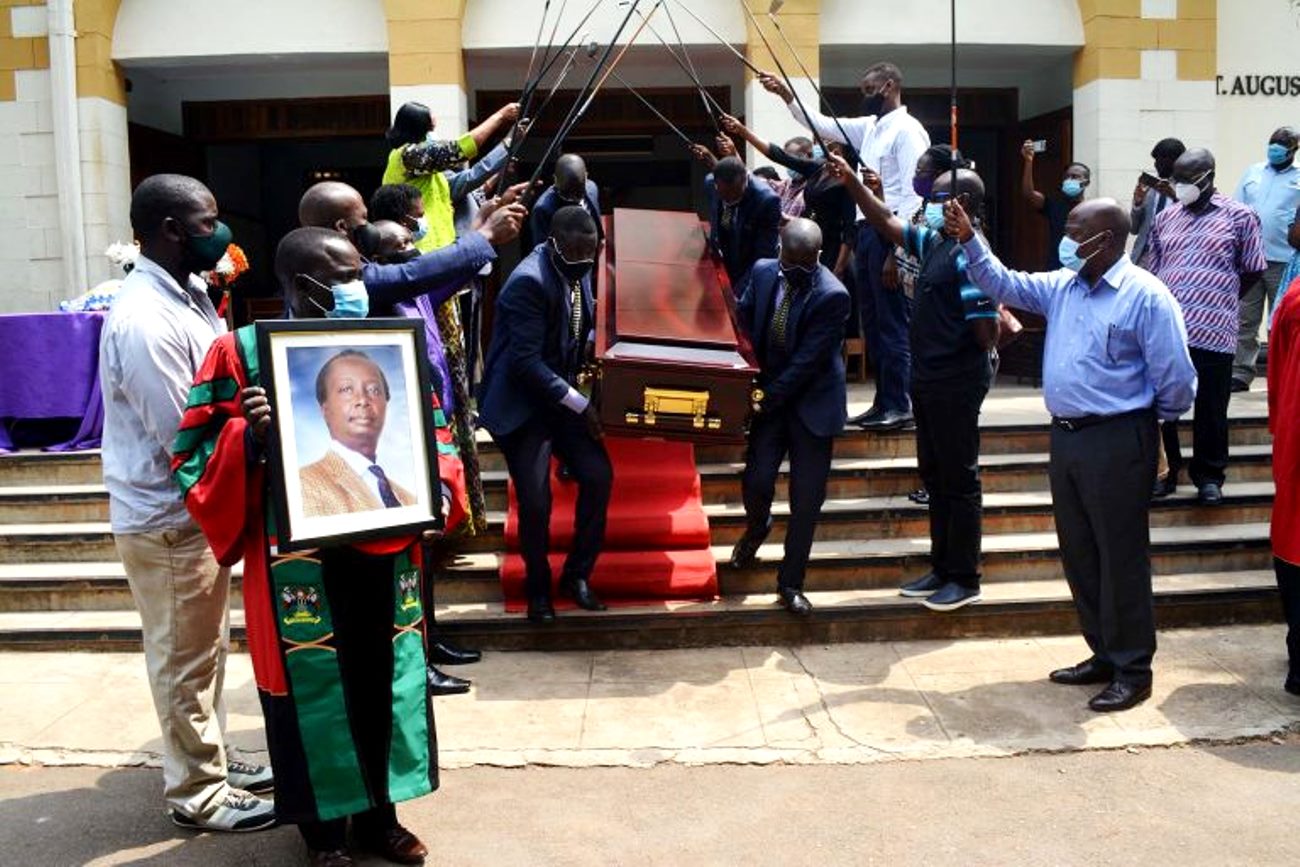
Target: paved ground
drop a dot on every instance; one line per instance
(840, 704)
(1184, 806)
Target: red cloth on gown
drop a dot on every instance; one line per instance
(1284, 424)
(657, 543)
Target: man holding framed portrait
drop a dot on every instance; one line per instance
(331, 595)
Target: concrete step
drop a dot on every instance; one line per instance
(1009, 609)
(51, 468)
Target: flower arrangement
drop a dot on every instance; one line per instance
(228, 270)
(102, 296)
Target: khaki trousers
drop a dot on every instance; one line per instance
(183, 598)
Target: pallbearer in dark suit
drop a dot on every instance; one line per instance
(571, 187)
(744, 218)
(530, 404)
(794, 311)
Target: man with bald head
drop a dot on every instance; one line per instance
(154, 341)
(1114, 362)
(1208, 250)
(571, 187)
(335, 638)
(794, 310)
(954, 330)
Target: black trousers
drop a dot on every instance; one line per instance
(948, 453)
(773, 436)
(1288, 583)
(1101, 480)
(528, 452)
(1209, 421)
(886, 318)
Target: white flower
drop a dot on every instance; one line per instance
(121, 254)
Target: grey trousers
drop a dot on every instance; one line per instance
(1101, 480)
(1253, 303)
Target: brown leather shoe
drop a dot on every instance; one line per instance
(335, 858)
(397, 845)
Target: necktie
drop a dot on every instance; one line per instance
(575, 311)
(782, 317)
(385, 489)
(728, 216)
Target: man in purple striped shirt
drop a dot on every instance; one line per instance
(1208, 250)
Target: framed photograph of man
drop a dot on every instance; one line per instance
(353, 454)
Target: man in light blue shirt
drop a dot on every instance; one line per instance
(1116, 358)
(1272, 188)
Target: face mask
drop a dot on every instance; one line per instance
(1188, 192)
(872, 105)
(1072, 188)
(819, 152)
(205, 251)
(421, 228)
(571, 271)
(351, 301)
(1278, 154)
(934, 215)
(798, 277)
(922, 185)
(1068, 252)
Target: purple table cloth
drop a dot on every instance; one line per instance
(49, 369)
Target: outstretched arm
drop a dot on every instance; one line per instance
(508, 113)
(873, 208)
(1031, 195)
(825, 126)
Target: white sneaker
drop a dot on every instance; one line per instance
(249, 777)
(240, 811)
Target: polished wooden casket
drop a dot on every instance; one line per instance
(671, 363)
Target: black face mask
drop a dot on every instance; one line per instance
(365, 237)
(797, 277)
(400, 257)
(571, 271)
(872, 105)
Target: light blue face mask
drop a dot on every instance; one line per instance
(819, 153)
(421, 228)
(351, 300)
(1072, 188)
(934, 215)
(1278, 154)
(1068, 252)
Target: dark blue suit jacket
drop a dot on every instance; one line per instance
(440, 272)
(810, 381)
(532, 345)
(753, 235)
(539, 224)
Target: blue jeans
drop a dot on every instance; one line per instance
(886, 318)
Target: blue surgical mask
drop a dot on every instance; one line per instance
(351, 300)
(1278, 154)
(1068, 252)
(421, 228)
(1072, 188)
(934, 215)
(819, 153)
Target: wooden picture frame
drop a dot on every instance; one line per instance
(347, 396)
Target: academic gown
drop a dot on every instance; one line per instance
(335, 633)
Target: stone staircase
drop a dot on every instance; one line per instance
(61, 585)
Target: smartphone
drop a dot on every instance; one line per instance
(1039, 145)
(1150, 181)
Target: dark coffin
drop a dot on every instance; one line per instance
(672, 363)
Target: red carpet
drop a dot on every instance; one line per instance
(656, 538)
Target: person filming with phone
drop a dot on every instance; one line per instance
(1055, 207)
(1152, 194)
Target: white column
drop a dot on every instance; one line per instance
(448, 103)
(67, 143)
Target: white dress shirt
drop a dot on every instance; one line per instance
(154, 341)
(888, 145)
(360, 464)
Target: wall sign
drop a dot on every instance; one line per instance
(1257, 85)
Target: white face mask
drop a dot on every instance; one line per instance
(1188, 193)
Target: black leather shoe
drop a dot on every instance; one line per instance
(795, 602)
(864, 417)
(333, 858)
(745, 554)
(1238, 386)
(890, 419)
(540, 611)
(1088, 671)
(1164, 487)
(397, 845)
(1120, 695)
(579, 591)
(445, 684)
(442, 653)
(1210, 494)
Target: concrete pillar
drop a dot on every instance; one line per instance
(1146, 72)
(67, 141)
(801, 23)
(425, 63)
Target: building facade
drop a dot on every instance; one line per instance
(261, 98)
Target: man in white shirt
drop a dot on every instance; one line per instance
(889, 141)
(153, 343)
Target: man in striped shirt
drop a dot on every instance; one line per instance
(1208, 250)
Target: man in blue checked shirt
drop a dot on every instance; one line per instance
(954, 329)
(1116, 359)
